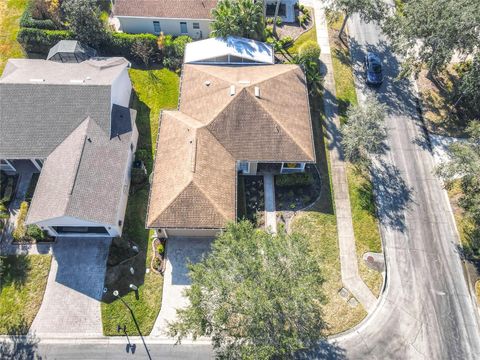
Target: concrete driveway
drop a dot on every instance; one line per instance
(71, 304)
(179, 252)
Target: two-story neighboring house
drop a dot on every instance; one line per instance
(180, 17)
(73, 122)
(232, 119)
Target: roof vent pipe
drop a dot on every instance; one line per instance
(257, 91)
(232, 90)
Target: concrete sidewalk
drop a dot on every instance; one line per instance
(270, 214)
(346, 239)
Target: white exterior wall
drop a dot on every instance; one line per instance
(113, 229)
(124, 197)
(189, 232)
(121, 89)
(139, 25)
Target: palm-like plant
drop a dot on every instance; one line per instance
(238, 18)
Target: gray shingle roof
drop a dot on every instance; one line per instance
(85, 175)
(40, 105)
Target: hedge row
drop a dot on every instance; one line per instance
(115, 44)
(40, 40)
(120, 44)
(27, 21)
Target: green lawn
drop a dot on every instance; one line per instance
(10, 12)
(319, 226)
(365, 224)
(306, 36)
(155, 90)
(22, 286)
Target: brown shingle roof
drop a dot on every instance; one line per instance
(194, 181)
(177, 9)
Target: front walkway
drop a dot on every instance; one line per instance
(71, 304)
(179, 252)
(270, 214)
(346, 239)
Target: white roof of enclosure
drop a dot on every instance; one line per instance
(230, 50)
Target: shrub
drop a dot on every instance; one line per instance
(278, 21)
(306, 13)
(21, 230)
(139, 176)
(40, 40)
(179, 45)
(84, 19)
(120, 44)
(302, 19)
(309, 51)
(8, 192)
(26, 20)
(296, 179)
(269, 20)
(35, 233)
(302, 8)
(160, 249)
(286, 41)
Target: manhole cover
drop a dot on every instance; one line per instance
(370, 259)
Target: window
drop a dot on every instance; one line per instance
(244, 167)
(156, 27)
(183, 27)
(282, 10)
(80, 230)
(196, 25)
(288, 168)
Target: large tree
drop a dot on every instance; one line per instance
(258, 295)
(368, 10)
(465, 165)
(430, 32)
(365, 133)
(239, 18)
(83, 17)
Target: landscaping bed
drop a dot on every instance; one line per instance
(297, 191)
(254, 198)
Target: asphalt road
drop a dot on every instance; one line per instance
(427, 311)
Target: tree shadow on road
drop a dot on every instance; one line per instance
(324, 350)
(392, 193)
(19, 346)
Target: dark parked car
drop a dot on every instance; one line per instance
(373, 69)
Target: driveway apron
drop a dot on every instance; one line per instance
(71, 304)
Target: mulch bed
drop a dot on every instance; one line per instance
(294, 30)
(254, 196)
(293, 198)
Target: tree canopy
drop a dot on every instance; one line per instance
(368, 10)
(430, 32)
(256, 294)
(364, 133)
(83, 17)
(239, 18)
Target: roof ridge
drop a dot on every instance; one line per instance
(280, 125)
(209, 200)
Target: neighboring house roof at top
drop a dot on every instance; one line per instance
(87, 159)
(96, 71)
(240, 48)
(194, 181)
(177, 9)
(36, 116)
(72, 47)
